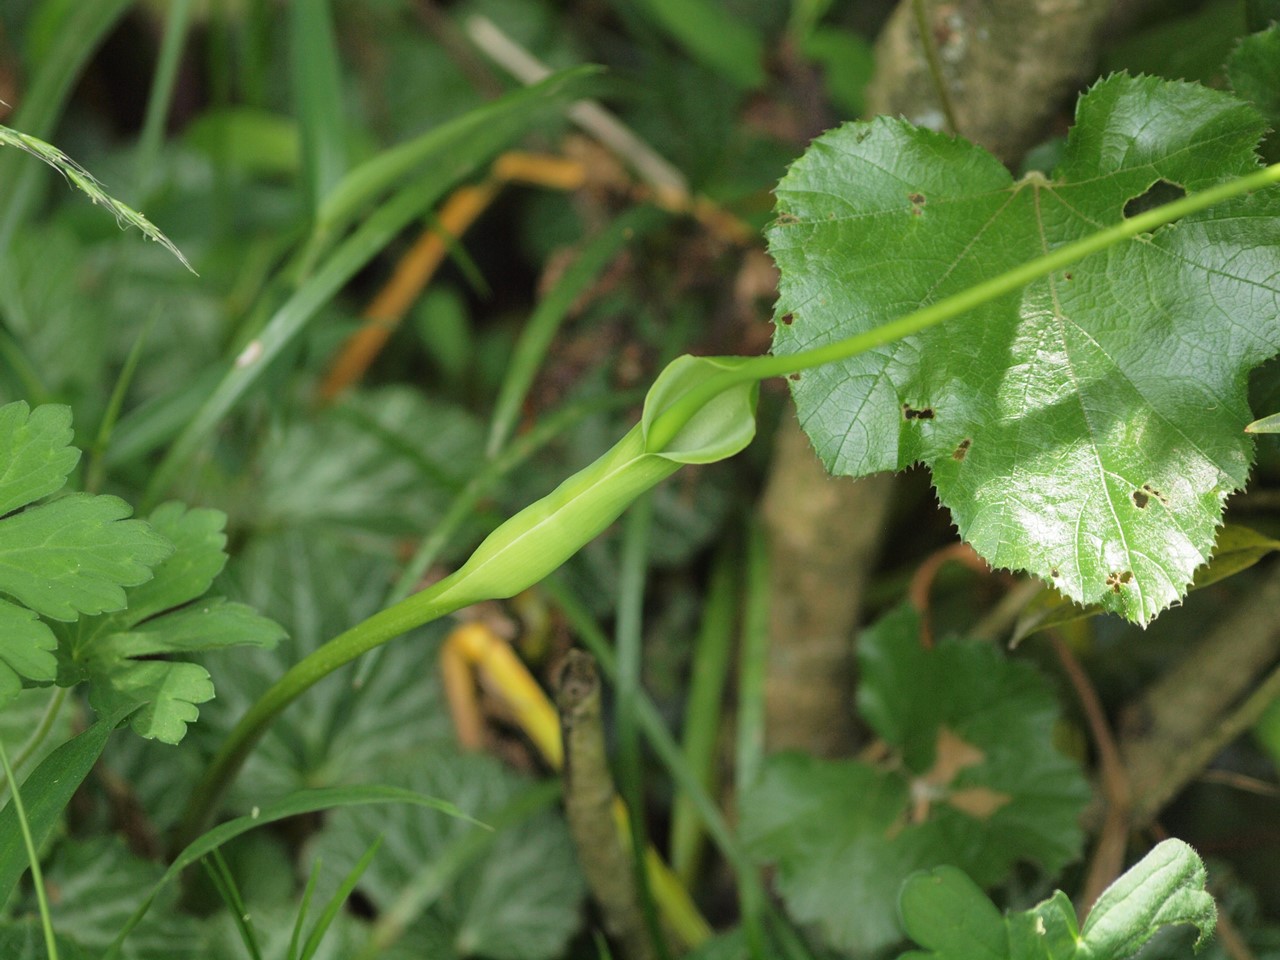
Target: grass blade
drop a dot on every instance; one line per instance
(47, 791)
(337, 900)
(54, 73)
(220, 875)
(458, 147)
(302, 801)
(535, 340)
(317, 94)
(704, 710)
(33, 858)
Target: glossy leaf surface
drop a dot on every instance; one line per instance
(1089, 428)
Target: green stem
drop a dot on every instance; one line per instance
(544, 535)
(37, 877)
(669, 423)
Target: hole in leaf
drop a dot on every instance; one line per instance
(916, 413)
(786, 319)
(1054, 573)
(1066, 276)
(1159, 193)
(1151, 491)
(1116, 580)
(1140, 499)
(962, 451)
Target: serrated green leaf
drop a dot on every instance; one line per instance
(99, 882)
(112, 652)
(520, 900)
(1238, 548)
(76, 555)
(403, 458)
(974, 781)
(1254, 71)
(1089, 429)
(26, 650)
(316, 584)
(1165, 888)
(37, 453)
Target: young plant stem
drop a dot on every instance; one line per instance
(538, 539)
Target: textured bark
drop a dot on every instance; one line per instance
(1008, 66)
(824, 536)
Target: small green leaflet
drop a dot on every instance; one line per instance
(972, 779)
(1088, 429)
(947, 914)
(59, 559)
(115, 652)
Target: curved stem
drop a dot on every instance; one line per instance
(604, 489)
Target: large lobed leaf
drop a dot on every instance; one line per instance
(1089, 428)
(972, 779)
(116, 652)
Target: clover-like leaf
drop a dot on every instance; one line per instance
(116, 652)
(1089, 427)
(972, 780)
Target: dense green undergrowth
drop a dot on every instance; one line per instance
(223, 619)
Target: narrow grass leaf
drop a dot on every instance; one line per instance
(74, 31)
(46, 793)
(337, 900)
(535, 340)
(317, 95)
(458, 148)
(302, 801)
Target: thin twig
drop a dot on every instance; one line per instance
(922, 582)
(653, 168)
(1108, 855)
(930, 48)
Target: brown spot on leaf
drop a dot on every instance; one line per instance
(978, 802)
(786, 218)
(1151, 491)
(1117, 579)
(787, 319)
(1140, 499)
(916, 413)
(1054, 573)
(793, 376)
(962, 451)
(1067, 276)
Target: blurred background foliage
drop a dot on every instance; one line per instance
(229, 122)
